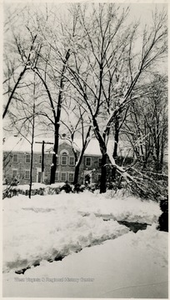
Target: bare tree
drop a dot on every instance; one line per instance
(78, 125)
(56, 110)
(147, 127)
(19, 78)
(24, 122)
(17, 61)
(38, 62)
(98, 54)
(106, 46)
(32, 137)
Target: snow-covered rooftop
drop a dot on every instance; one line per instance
(15, 144)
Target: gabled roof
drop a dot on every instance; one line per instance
(15, 144)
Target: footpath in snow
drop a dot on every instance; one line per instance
(133, 265)
(99, 258)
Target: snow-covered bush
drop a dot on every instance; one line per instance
(37, 189)
(9, 192)
(53, 190)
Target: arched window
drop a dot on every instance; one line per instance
(64, 158)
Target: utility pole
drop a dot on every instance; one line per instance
(32, 137)
(42, 157)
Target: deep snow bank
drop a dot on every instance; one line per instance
(53, 226)
(131, 266)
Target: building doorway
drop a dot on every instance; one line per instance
(87, 177)
(39, 175)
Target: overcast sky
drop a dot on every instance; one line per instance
(144, 10)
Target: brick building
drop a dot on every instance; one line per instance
(17, 158)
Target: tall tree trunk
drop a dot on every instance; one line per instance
(116, 140)
(31, 164)
(157, 163)
(78, 163)
(57, 120)
(42, 162)
(162, 153)
(78, 160)
(103, 150)
(76, 173)
(55, 150)
(103, 173)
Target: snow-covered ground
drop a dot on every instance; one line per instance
(101, 258)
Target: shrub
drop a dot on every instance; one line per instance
(163, 219)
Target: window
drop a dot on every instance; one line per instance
(27, 174)
(64, 159)
(57, 176)
(57, 160)
(40, 159)
(72, 161)
(15, 158)
(88, 161)
(28, 158)
(100, 162)
(71, 177)
(63, 176)
(14, 173)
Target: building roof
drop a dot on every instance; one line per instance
(15, 144)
